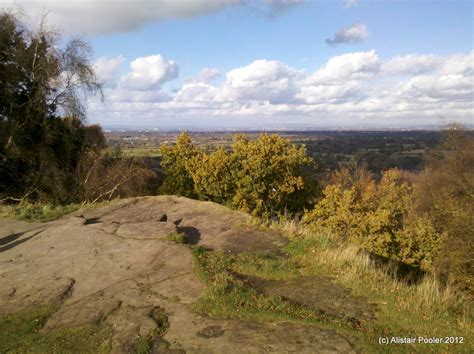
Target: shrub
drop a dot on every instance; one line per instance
(271, 175)
(378, 217)
(102, 177)
(264, 177)
(212, 175)
(445, 194)
(175, 163)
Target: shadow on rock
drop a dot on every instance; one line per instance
(10, 241)
(192, 234)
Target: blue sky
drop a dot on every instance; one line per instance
(340, 63)
(237, 36)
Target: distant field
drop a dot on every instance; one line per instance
(379, 150)
(141, 152)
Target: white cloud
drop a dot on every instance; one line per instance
(208, 74)
(262, 80)
(459, 64)
(350, 3)
(108, 68)
(346, 90)
(110, 16)
(149, 73)
(124, 95)
(446, 88)
(412, 64)
(356, 33)
(196, 92)
(329, 93)
(350, 66)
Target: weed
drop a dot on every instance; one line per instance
(177, 237)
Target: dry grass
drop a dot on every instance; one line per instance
(353, 267)
(6, 211)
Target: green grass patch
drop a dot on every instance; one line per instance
(144, 344)
(265, 266)
(177, 237)
(404, 310)
(230, 295)
(38, 212)
(20, 333)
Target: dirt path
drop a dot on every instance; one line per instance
(113, 265)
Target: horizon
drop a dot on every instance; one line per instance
(235, 64)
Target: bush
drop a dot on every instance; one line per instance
(378, 217)
(265, 177)
(175, 163)
(100, 177)
(271, 176)
(212, 175)
(445, 194)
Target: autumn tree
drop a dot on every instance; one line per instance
(445, 195)
(40, 81)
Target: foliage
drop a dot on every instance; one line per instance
(228, 295)
(47, 154)
(144, 344)
(271, 175)
(376, 215)
(433, 308)
(424, 220)
(175, 164)
(177, 237)
(212, 175)
(43, 213)
(101, 177)
(445, 195)
(264, 177)
(38, 81)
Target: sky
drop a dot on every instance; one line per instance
(273, 63)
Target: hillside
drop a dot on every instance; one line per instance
(113, 277)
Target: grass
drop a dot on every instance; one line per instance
(229, 295)
(265, 266)
(422, 309)
(37, 212)
(141, 152)
(20, 333)
(177, 237)
(144, 344)
(40, 212)
(404, 310)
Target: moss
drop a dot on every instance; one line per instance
(20, 333)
